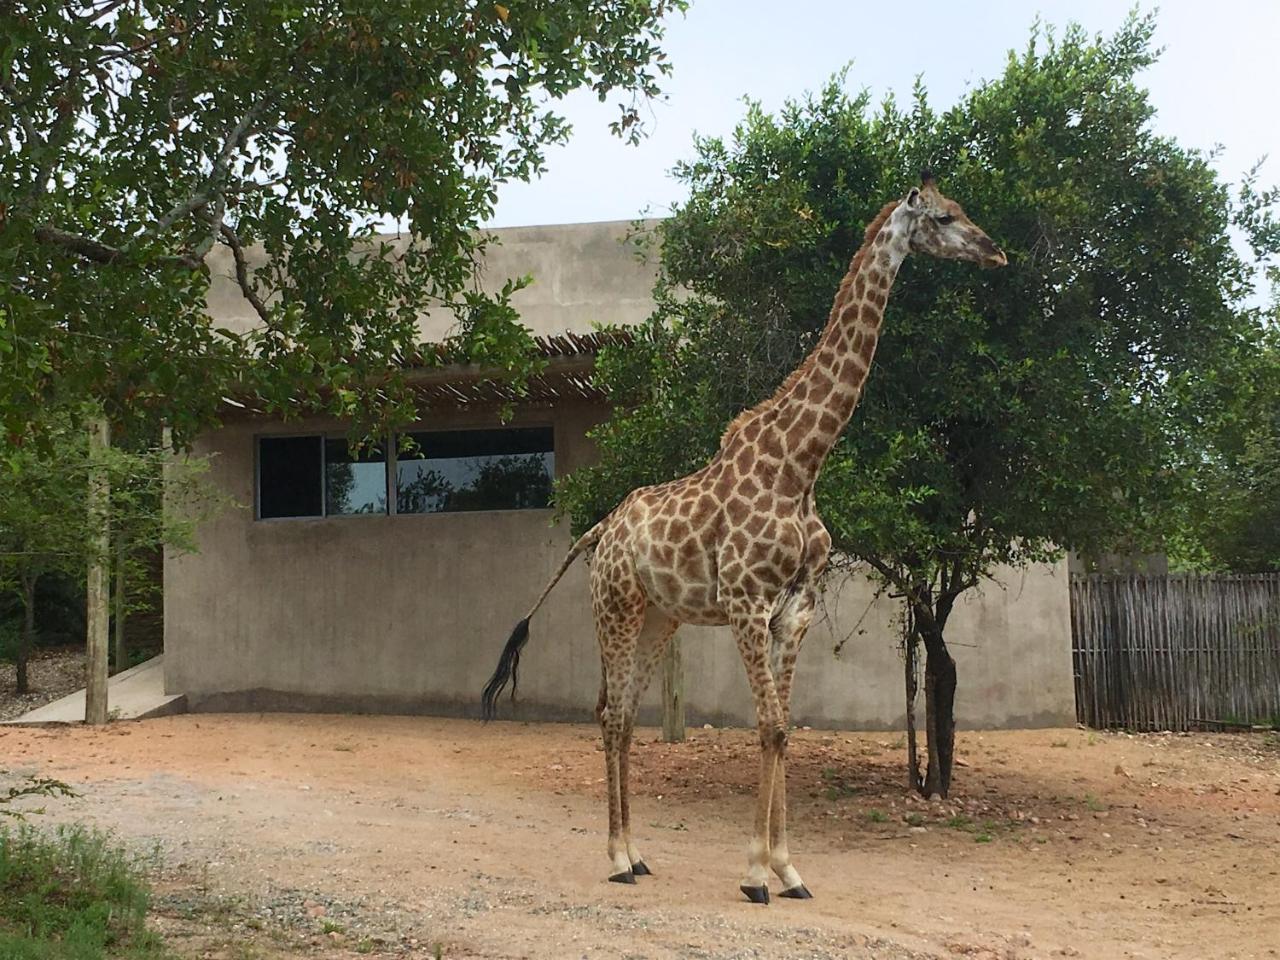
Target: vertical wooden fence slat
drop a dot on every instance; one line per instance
(1164, 652)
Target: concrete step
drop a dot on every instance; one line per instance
(135, 694)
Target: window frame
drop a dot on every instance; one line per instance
(323, 436)
(391, 459)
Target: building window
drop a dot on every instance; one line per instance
(318, 477)
(454, 470)
(290, 477)
(442, 471)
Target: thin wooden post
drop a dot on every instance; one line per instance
(119, 643)
(673, 693)
(98, 605)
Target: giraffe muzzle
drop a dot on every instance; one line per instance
(995, 259)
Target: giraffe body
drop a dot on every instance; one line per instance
(739, 542)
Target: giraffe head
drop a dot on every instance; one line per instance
(939, 227)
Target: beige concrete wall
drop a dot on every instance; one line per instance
(409, 614)
(583, 274)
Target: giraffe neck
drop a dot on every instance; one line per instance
(812, 408)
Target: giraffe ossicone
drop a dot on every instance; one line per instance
(739, 542)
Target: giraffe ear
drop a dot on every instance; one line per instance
(913, 197)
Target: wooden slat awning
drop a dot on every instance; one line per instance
(441, 380)
(570, 360)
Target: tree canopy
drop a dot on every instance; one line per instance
(1233, 522)
(1057, 403)
(142, 134)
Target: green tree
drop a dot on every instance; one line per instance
(143, 134)
(1054, 404)
(46, 529)
(1233, 523)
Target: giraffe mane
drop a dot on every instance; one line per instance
(842, 298)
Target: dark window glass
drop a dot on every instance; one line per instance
(476, 470)
(353, 484)
(289, 477)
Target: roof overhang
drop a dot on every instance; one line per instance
(567, 374)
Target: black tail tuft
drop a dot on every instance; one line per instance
(508, 664)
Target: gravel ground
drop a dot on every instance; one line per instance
(339, 837)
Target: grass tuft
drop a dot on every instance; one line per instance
(71, 894)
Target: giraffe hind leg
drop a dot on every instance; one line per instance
(650, 646)
(629, 654)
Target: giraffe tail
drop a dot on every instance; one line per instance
(509, 662)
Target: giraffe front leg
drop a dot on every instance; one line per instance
(788, 630)
(756, 886)
(638, 867)
(779, 854)
(751, 631)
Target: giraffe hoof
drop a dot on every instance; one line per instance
(628, 877)
(797, 893)
(640, 870)
(755, 894)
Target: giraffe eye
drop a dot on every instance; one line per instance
(944, 219)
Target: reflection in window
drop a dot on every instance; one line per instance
(353, 483)
(457, 470)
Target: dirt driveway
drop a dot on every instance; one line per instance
(287, 836)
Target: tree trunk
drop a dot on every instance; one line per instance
(118, 602)
(98, 612)
(27, 638)
(940, 722)
(910, 656)
(673, 693)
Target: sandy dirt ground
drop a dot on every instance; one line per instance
(280, 836)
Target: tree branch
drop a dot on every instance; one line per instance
(209, 191)
(28, 128)
(242, 272)
(921, 605)
(86, 247)
(99, 252)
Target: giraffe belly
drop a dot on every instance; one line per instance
(687, 599)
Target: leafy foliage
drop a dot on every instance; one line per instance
(1233, 524)
(46, 530)
(147, 139)
(1010, 414)
(30, 787)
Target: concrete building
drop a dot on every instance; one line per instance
(391, 585)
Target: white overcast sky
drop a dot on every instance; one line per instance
(1216, 83)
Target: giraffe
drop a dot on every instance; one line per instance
(739, 542)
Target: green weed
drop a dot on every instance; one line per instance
(72, 894)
